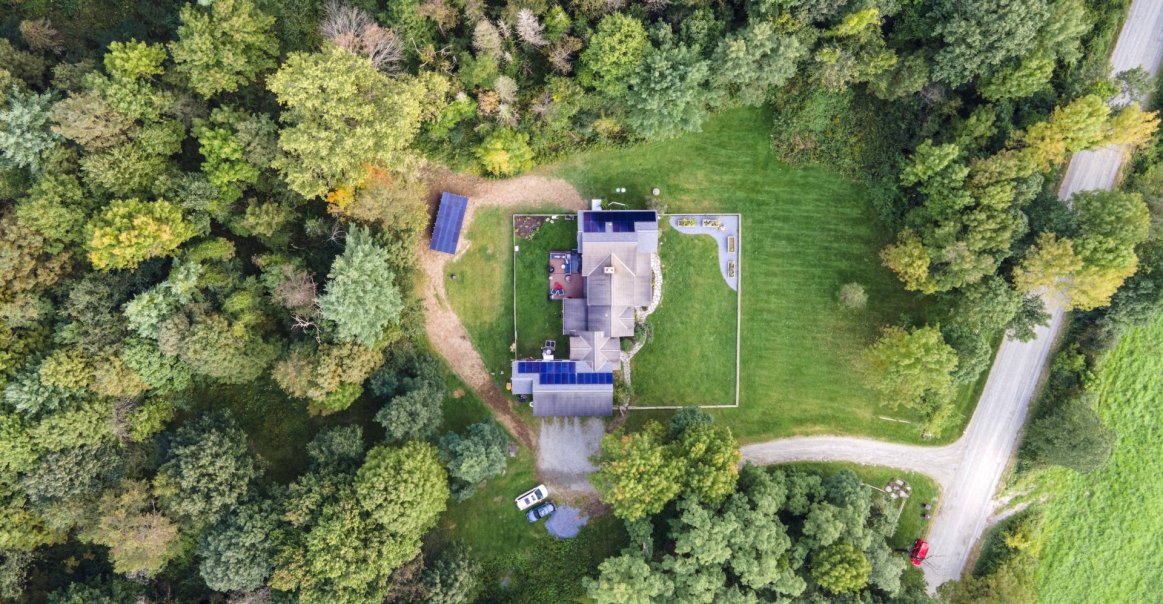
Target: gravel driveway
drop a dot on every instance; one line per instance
(970, 470)
(563, 458)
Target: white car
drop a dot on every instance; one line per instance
(532, 496)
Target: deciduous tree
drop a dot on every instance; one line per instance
(225, 47)
(237, 554)
(668, 93)
(208, 470)
(341, 114)
(1071, 435)
(129, 231)
(505, 152)
(616, 50)
(979, 35)
(454, 578)
(751, 62)
(841, 568)
(637, 474)
(141, 540)
(911, 368)
(473, 458)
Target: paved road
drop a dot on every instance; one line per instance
(970, 470)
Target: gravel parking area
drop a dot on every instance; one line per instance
(563, 459)
(729, 229)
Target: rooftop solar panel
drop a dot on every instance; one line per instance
(559, 379)
(449, 220)
(615, 221)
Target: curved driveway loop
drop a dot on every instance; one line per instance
(970, 470)
(730, 228)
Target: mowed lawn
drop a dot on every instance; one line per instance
(482, 293)
(1103, 531)
(538, 317)
(691, 359)
(805, 233)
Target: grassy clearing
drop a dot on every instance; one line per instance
(1103, 530)
(912, 525)
(691, 360)
(482, 294)
(806, 232)
(539, 318)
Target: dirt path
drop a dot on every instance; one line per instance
(445, 331)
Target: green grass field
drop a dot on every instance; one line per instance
(538, 317)
(691, 360)
(1103, 531)
(482, 294)
(806, 232)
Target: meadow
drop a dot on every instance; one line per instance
(1102, 531)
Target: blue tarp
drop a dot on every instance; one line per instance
(449, 220)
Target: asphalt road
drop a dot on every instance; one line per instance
(970, 469)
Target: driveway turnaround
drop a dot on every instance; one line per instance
(970, 470)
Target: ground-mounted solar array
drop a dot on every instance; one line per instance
(449, 219)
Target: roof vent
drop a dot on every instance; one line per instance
(609, 270)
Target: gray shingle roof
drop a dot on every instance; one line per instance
(573, 404)
(599, 351)
(574, 316)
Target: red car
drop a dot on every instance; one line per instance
(919, 552)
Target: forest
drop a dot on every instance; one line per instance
(210, 206)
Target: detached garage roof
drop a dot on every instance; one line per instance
(449, 220)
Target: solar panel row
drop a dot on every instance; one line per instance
(449, 220)
(546, 366)
(575, 378)
(615, 221)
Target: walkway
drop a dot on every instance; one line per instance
(970, 470)
(729, 230)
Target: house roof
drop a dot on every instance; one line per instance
(597, 350)
(574, 316)
(616, 247)
(573, 404)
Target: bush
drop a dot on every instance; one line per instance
(1071, 435)
(853, 296)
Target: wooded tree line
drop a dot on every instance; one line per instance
(198, 209)
(969, 178)
(702, 530)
